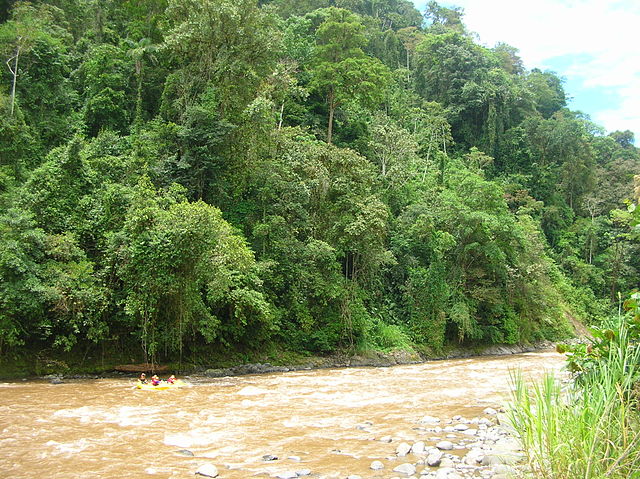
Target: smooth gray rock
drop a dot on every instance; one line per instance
(447, 462)
(207, 470)
(376, 465)
(406, 468)
(504, 469)
(418, 448)
(443, 472)
(507, 444)
(403, 449)
(287, 475)
(185, 452)
(429, 420)
(474, 457)
(434, 458)
(445, 445)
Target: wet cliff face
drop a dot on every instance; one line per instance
(332, 422)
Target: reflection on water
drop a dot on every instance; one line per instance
(329, 421)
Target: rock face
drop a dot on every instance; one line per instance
(207, 470)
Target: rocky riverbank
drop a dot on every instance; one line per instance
(451, 448)
(372, 359)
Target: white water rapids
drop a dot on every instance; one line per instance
(329, 421)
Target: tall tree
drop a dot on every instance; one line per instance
(341, 71)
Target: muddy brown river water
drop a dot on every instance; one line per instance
(329, 421)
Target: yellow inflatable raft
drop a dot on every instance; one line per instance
(160, 387)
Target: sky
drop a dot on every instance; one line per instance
(594, 45)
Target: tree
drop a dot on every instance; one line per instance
(105, 75)
(340, 70)
(394, 151)
(186, 272)
(226, 44)
(141, 52)
(442, 18)
(28, 26)
(548, 92)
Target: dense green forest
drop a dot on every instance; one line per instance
(185, 178)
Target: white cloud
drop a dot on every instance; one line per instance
(600, 40)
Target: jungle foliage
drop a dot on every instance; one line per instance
(177, 175)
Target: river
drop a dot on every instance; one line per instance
(328, 421)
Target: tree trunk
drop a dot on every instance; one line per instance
(138, 119)
(281, 116)
(332, 107)
(14, 71)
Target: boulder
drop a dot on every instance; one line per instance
(418, 448)
(474, 457)
(207, 470)
(508, 444)
(434, 458)
(185, 452)
(429, 420)
(445, 445)
(443, 472)
(504, 469)
(406, 468)
(403, 449)
(490, 411)
(447, 462)
(376, 465)
(303, 472)
(287, 475)
(509, 458)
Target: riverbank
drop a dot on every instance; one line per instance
(371, 359)
(57, 369)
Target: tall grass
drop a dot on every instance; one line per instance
(589, 430)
